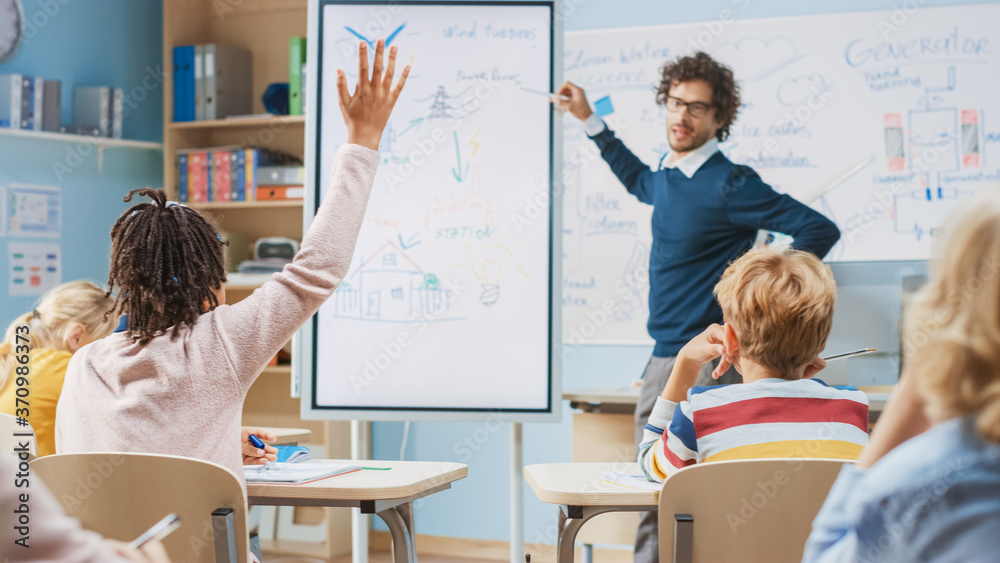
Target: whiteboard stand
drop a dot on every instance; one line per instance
(516, 495)
(360, 450)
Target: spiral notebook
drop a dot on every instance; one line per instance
(294, 473)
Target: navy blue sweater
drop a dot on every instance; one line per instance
(700, 225)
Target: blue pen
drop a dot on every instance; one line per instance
(257, 442)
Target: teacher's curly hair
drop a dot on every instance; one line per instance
(700, 66)
(166, 260)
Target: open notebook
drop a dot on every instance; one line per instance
(294, 473)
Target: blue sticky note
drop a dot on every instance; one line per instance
(603, 106)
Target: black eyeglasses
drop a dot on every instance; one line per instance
(696, 109)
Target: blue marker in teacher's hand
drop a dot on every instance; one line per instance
(257, 442)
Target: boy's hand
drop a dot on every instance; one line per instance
(576, 104)
(701, 349)
(367, 111)
(707, 346)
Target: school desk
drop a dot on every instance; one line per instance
(387, 494)
(604, 431)
(581, 495)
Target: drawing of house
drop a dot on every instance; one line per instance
(390, 287)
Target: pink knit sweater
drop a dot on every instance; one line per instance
(185, 396)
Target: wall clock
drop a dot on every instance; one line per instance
(11, 28)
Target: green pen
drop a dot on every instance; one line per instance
(377, 468)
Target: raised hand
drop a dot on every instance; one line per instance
(367, 111)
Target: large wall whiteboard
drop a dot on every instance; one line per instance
(912, 94)
(449, 310)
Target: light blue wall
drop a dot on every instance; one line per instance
(478, 507)
(87, 43)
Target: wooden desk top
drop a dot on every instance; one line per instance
(623, 394)
(629, 395)
(405, 479)
(287, 435)
(579, 484)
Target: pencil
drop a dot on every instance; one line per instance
(850, 354)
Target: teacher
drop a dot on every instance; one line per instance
(706, 213)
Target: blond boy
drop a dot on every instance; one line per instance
(778, 309)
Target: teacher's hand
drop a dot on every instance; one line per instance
(576, 103)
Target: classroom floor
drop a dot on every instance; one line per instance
(378, 557)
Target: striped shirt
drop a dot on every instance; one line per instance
(766, 418)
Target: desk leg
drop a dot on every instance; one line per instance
(572, 518)
(399, 519)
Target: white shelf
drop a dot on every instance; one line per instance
(102, 142)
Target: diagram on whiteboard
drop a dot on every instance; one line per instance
(884, 131)
(447, 267)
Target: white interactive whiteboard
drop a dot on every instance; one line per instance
(449, 310)
(905, 100)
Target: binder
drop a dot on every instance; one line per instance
(241, 175)
(196, 176)
(271, 193)
(305, 89)
(199, 82)
(51, 105)
(234, 186)
(184, 95)
(117, 108)
(220, 178)
(92, 108)
(297, 57)
(38, 109)
(182, 177)
(228, 81)
(209, 180)
(252, 163)
(27, 102)
(280, 175)
(10, 100)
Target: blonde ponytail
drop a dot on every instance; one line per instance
(49, 324)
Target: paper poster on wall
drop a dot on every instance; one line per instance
(34, 267)
(3, 211)
(34, 211)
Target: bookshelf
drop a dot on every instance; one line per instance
(263, 27)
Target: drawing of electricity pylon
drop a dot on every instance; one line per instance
(444, 106)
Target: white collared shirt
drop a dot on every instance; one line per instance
(688, 164)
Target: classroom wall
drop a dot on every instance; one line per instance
(478, 507)
(87, 43)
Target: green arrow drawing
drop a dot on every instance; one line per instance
(458, 172)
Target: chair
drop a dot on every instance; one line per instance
(758, 510)
(13, 435)
(120, 495)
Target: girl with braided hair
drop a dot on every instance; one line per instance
(174, 382)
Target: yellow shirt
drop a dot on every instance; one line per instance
(47, 370)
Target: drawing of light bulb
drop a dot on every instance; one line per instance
(489, 266)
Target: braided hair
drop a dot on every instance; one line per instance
(166, 260)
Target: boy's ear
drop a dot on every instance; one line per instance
(814, 367)
(731, 343)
